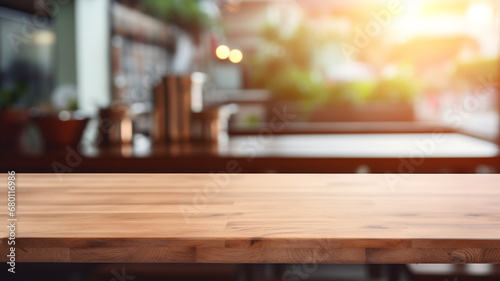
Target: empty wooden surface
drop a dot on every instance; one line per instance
(264, 218)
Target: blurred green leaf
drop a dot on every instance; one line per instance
(285, 67)
(186, 14)
(396, 89)
(9, 97)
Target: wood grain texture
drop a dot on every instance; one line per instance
(256, 218)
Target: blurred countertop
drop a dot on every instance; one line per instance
(267, 152)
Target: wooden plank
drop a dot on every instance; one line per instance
(256, 218)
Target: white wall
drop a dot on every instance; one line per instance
(93, 56)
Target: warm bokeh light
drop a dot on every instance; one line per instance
(44, 37)
(479, 12)
(235, 56)
(222, 52)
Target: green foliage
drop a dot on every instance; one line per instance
(285, 69)
(252, 120)
(292, 83)
(351, 92)
(295, 49)
(73, 104)
(184, 13)
(10, 97)
(395, 89)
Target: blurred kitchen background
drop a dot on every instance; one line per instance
(223, 86)
(276, 85)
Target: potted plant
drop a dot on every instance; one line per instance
(62, 124)
(13, 119)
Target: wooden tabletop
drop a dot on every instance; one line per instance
(256, 218)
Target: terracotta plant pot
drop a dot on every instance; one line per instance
(13, 123)
(58, 133)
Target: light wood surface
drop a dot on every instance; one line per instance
(256, 218)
